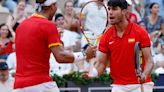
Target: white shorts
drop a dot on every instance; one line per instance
(147, 87)
(44, 87)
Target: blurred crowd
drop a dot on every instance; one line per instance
(147, 13)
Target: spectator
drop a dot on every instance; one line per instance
(71, 39)
(18, 16)
(154, 22)
(71, 20)
(161, 6)
(138, 9)
(154, 36)
(6, 84)
(131, 16)
(11, 61)
(6, 44)
(159, 60)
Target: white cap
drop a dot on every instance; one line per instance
(49, 2)
(46, 3)
(129, 2)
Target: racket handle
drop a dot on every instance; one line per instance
(142, 88)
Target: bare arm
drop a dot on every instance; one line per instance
(102, 62)
(149, 63)
(10, 21)
(63, 56)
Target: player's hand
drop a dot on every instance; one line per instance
(91, 74)
(85, 75)
(91, 52)
(143, 78)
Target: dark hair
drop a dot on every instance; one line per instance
(152, 4)
(58, 15)
(120, 3)
(40, 1)
(9, 35)
(3, 66)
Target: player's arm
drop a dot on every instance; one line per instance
(60, 54)
(145, 44)
(63, 56)
(102, 62)
(101, 66)
(148, 61)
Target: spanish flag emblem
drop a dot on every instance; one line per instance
(130, 40)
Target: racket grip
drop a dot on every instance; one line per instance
(142, 88)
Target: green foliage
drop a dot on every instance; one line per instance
(77, 78)
(154, 76)
(59, 80)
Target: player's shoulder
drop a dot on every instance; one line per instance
(109, 30)
(41, 21)
(138, 29)
(48, 23)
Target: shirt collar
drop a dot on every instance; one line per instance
(38, 15)
(127, 29)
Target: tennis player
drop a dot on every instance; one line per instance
(36, 37)
(117, 45)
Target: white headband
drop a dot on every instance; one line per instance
(49, 2)
(46, 3)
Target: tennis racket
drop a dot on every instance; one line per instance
(138, 62)
(92, 28)
(93, 23)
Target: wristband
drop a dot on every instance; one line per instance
(84, 54)
(79, 56)
(93, 73)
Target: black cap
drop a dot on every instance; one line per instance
(3, 66)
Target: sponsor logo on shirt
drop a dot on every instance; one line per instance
(111, 42)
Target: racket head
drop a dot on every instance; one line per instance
(93, 36)
(137, 59)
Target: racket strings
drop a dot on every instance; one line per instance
(93, 38)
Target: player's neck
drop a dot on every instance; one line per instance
(121, 26)
(43, 14)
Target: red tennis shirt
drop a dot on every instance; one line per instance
(121, 52)
(34, 37)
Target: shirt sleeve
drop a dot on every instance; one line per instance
(103, 46)
(53, 36)
(144, 39)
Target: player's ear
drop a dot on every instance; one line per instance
(124, 11)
